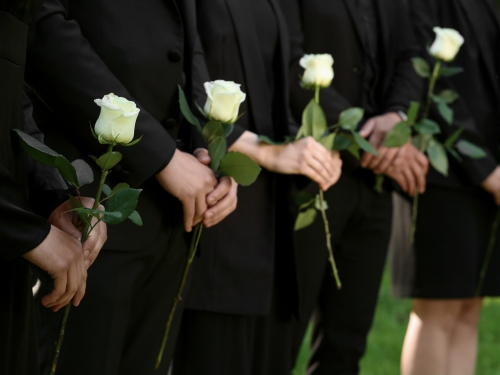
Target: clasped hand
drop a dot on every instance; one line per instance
(406, 165)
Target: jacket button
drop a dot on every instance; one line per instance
(169, 123)
(174, 55)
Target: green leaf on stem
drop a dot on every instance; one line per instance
(121, 186)
(212, 130)
(123, 202)
(437, 156)
(131, 143)
(421, 66)
(427, 126)
(379, 183)
(413, 112)
(240, 167)
(67, 171)
(350, 118)
(304, 198)
(454, 153)
(313, 122)
(354, 150)
(202, 112)
(318, 205)
(136, 218)
(186, 111)
(364, 144)
(450, 141)
(217, 148)
(83, 171)
(446, 112)
(305, 219)
(106, 190)
(44, 155)
(451, 71)
(398, 135)
(228, 129)
(342, 142)
(448, 96)
(109, 160)
(470, 149)
(75, 202)
(328, 141)
(93, 132)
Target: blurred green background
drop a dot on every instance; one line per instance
(391, 319)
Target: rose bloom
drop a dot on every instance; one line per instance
(223, 101)
(447, 44)
(116, 122)
(318, 70)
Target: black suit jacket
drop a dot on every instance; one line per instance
(468, 17)
(83, 49)
(334, 27)
(235, 271)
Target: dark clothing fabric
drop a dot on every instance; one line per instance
(216, 344)
(119, 326)
(234, 273)
(448, 258)
(81, 50)
(477, 109)
(360, 224)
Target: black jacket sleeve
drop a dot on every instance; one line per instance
(425, 16)
(67, 74)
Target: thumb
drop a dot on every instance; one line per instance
(367, 128)
(202, 155)
(64, 223)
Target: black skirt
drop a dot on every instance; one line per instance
(453, 232)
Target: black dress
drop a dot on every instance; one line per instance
(455, 213)
(231, 324)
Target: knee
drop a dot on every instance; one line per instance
(441, 315)
(470, 313)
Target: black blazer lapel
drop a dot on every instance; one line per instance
(384, 25)
(355, 20)
(255, 74)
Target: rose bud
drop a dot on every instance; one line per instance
(223, 101)
(447, 44)
(318, 70)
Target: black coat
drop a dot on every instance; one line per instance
(20, 229)
(334, 27)
(235, 271)
(81, 50)
(477, 109)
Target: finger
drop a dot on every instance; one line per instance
(222, 189)
(189, 212)
(322, 161)
(202, 155)
(321, 173)
(216, 214)
(64, 223)
(80, 293)
(60, 282)
(419, 176)
(376, 160)
(312, 174)
(366, 159)
(200, 208)
(410, 178)
(388, 159)
(367, 128)
(102, 238)
(73, 277)
(423, 161)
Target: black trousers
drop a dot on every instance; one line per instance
(360, 224)
(212, 343)
(118, 327)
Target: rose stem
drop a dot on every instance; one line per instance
(192, 252)
(489, 253)
(85, 235)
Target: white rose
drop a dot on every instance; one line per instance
(223, 101)
(447, 44)
(116, 123)
(318, 70)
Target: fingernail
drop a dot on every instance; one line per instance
(209, 215)
(212, 201)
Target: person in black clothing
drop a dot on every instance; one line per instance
(372, 44)
(24, 236)
(239, 309)
(81, 50)
(442, 273)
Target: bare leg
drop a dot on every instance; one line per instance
(428, 337)
(463, 345)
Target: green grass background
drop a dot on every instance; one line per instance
(386, 337)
